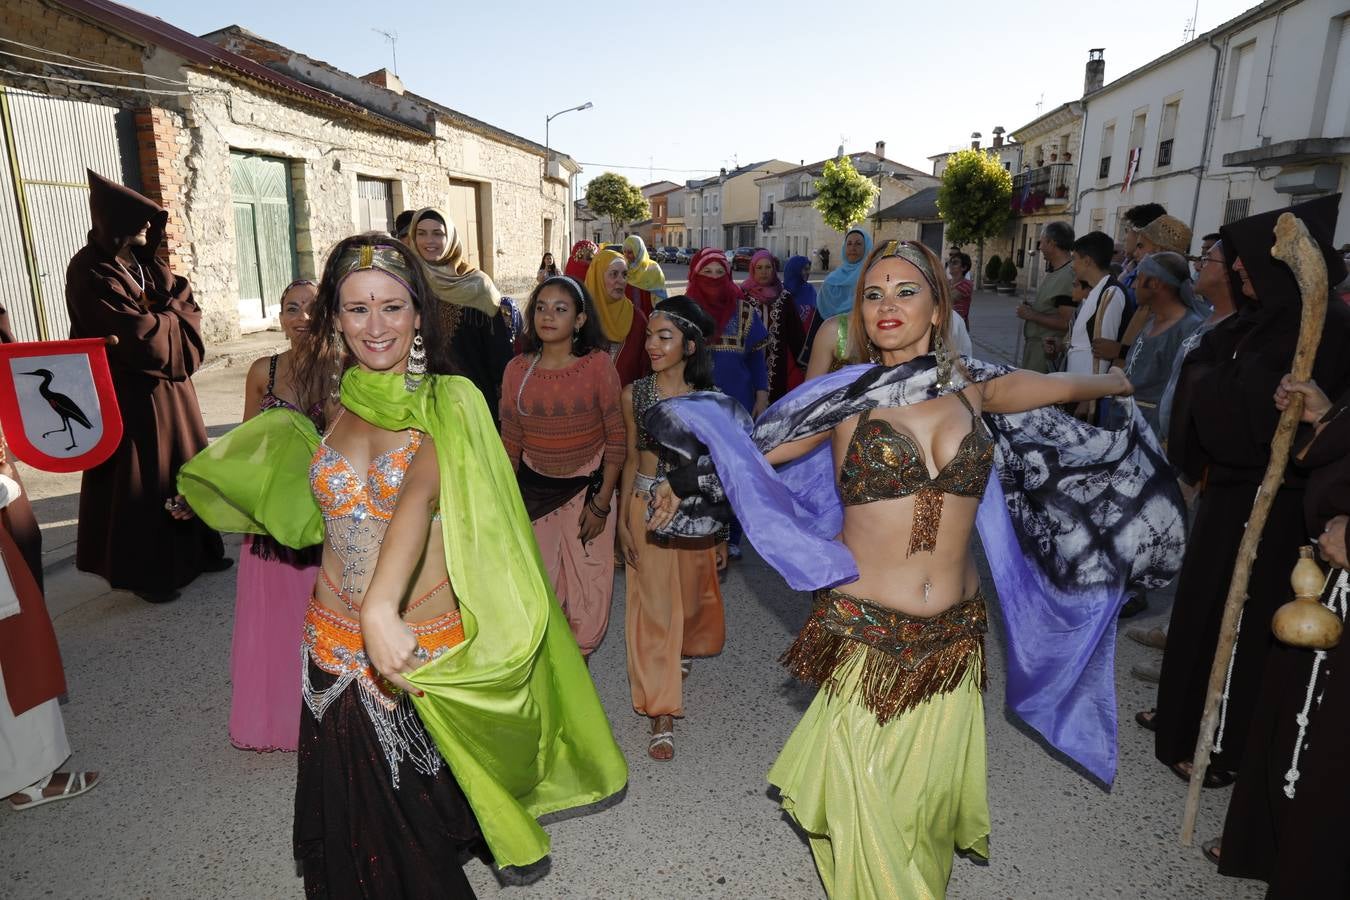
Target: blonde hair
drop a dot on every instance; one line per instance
(928, 264)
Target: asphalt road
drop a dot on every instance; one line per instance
(182, 814)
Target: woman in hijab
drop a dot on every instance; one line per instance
(579, 260)
(739, 338)
(646, 281)
(622, 325)
(796, 271)
(836, 296)
(474, 320)
(776, 308)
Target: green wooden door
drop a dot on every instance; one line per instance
(264, 232)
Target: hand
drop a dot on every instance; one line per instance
(1331, 543)
(1023, 310)
(1315, 403)
(664, 505)
(391, 646)
(590, 524)
(628, 546)
(1122, 386)
(761, 404)
(1051, 346)
(720, 554)
(1104, 349)
(179, 509)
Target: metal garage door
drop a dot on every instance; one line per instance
(45, 146)
(264, 233)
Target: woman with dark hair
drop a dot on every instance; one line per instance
(884, 470)
(674, 603)
(787, 338)
(474, 318)
(622, 325)
(441, 678)
(274, 581)
(547, 269)
(563, 432)
(796, 281)
(958, 267)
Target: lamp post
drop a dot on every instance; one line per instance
(549, 119)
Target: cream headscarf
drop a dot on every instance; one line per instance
(615, 316)
(452, 278)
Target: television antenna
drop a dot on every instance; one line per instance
(392, 38)
(1188, 33)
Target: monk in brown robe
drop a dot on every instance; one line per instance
(117, 286)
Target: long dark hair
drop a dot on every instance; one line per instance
(324, 356)
(552, 267)
(587, 338)
(693, 323)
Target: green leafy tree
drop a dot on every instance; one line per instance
(974, 199)
(842, 195)
(613, 196)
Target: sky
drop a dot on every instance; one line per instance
(682, 89)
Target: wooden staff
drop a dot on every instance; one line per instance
(1296, 249)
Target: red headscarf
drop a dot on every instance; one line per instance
(576, 263)
(719, 297)
(764, 293)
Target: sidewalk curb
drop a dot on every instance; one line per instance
(231, 357)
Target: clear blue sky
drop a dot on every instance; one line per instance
(691, 86)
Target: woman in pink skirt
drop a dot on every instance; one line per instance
(275, 582)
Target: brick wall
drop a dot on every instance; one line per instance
(159, 143)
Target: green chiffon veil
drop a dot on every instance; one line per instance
(512, 709)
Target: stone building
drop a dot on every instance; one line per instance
(915, 218)
(790, 224)
(721, 211)
(1042, 191)
(1250, 116)
(265, 157)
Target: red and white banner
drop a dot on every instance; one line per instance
(58, 408)
(1131, 167)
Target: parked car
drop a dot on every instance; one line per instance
(664, 254)
(685, 255)
(740, 257)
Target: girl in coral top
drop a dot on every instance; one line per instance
(563, 432)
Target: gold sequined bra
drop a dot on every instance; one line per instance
(882, 463)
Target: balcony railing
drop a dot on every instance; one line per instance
(1036, 189)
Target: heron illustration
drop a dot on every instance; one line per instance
(62, 405)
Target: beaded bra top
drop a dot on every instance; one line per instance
(363, 505)
(882, 463)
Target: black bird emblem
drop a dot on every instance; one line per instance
(62, 405)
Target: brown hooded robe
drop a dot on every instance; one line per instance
(124, 532)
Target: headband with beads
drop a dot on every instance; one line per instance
(380, 257)
(908, 251)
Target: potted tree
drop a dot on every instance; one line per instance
(992, 270)
(1007, 276)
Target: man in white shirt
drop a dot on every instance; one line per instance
(1100, 313)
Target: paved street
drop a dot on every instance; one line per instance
(182, 814)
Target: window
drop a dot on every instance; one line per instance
(1336, 122)
(1241, 67)
(717, 202)
(1137, 126)
(1108, 140)
(770, 206)
(548, 234)
(1166, 131)
(1235, 209)
(1007, 166)
(806, 186)
(374, 204)
(693, 203)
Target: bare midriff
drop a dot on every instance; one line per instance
(431, 579)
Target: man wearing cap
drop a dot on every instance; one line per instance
(131, 530)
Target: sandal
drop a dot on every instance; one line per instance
(1147, 719)
(1214, 778)
(661, 747)
(686, 665)
(1210, 850)
(36, 793)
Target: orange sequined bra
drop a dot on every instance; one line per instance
(882, 463)
(363, 505)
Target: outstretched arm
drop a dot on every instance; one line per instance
(1023, 390)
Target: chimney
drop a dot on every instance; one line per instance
(998, 135)
(385, 79)
(881, 149)
(723, 172)
(1095, 76)
(975, 140)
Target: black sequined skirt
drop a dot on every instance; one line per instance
(359, 836)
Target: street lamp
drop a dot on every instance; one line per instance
(548, 119)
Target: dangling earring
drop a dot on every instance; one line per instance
(944, 359)
(417, 364)
(335, 390)
(873, 353)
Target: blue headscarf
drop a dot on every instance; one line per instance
(836, 296)
(795, 283)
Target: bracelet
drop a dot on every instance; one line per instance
(597, 511)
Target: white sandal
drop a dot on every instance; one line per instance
(686, 666)
(662, 738)
(77, 783)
